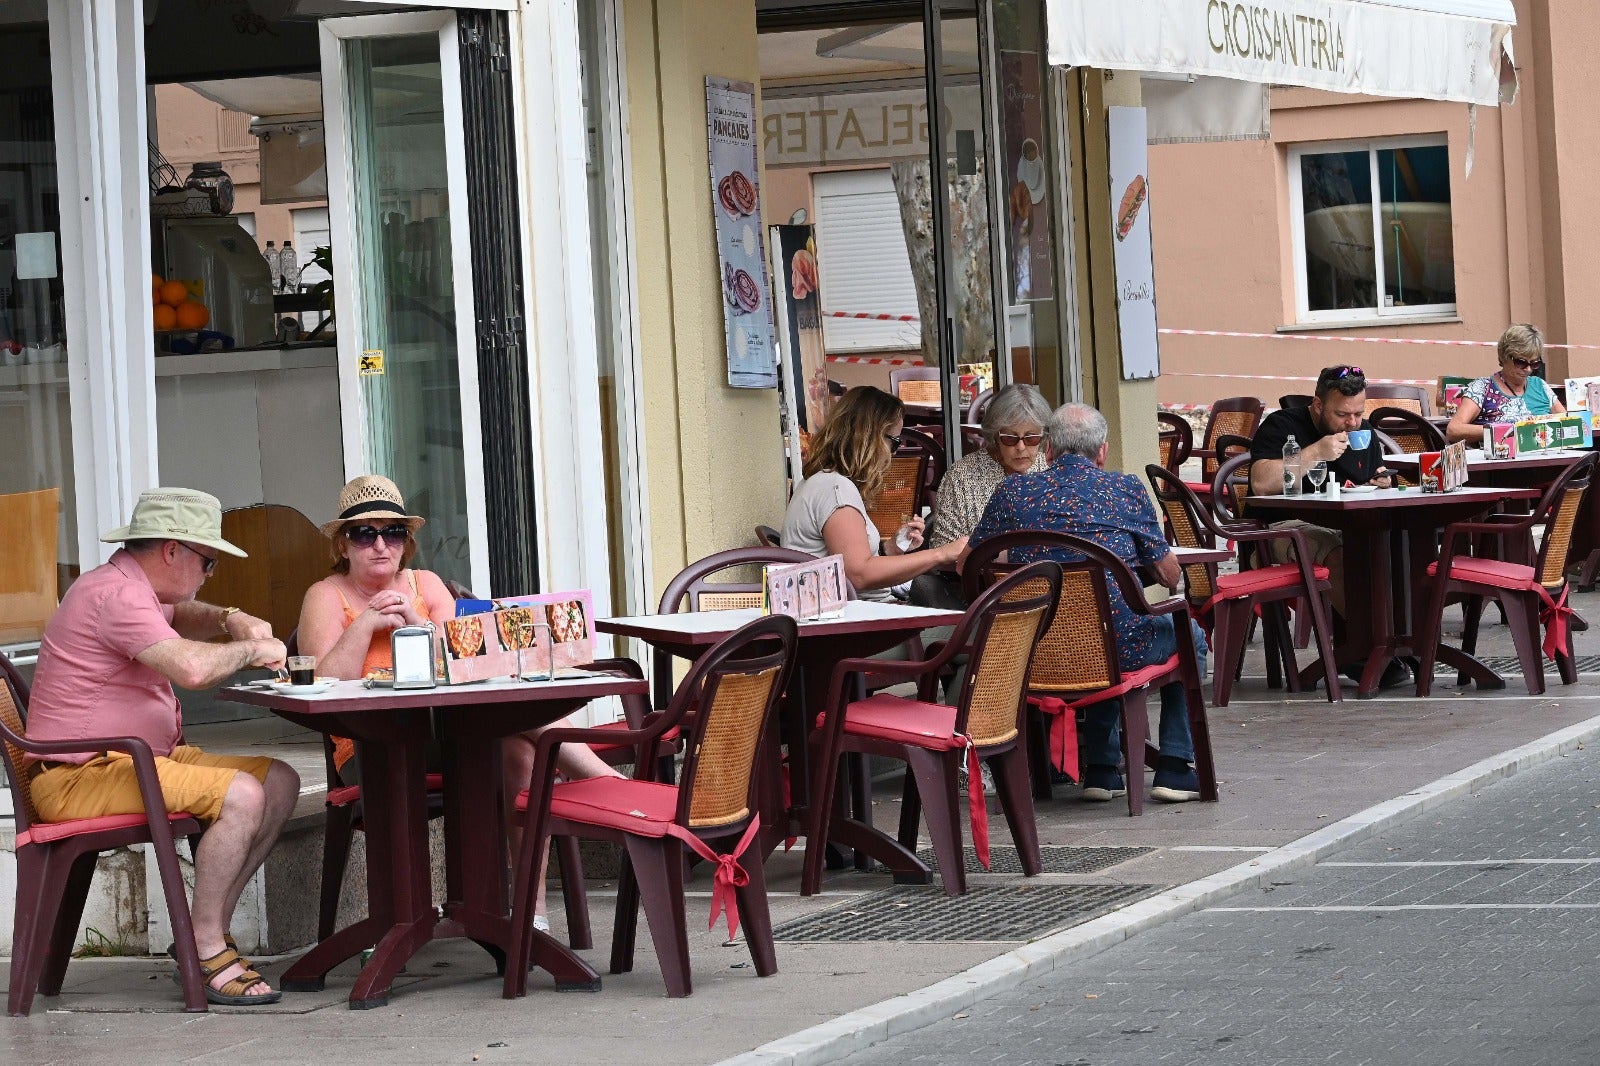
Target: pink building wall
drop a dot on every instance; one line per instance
(1524, 224)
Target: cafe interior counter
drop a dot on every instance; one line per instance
(253, 426)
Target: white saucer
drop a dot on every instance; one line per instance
(321, 684)
(1359, 488)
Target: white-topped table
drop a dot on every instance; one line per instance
(863, 628)
(391, 730)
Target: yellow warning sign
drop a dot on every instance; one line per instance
(371, 364)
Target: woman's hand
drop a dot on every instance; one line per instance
(909, 537)
(391, 610)
(952, 551)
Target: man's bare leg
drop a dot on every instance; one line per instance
(223, 852)
(282, 791)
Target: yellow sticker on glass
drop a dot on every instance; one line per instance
(371, 363)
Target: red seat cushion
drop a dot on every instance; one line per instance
(1249, 582)
(669, 737)
(345, 795)
(902, 721)
(1199, 488)
(1139, 678)
(644, 808)
(1495, 572)
(48, 832)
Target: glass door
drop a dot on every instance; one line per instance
(960, 198)
(402, 276)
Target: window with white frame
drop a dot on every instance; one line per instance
(1372, 229)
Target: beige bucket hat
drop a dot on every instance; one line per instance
(367, 498)
(188, 515)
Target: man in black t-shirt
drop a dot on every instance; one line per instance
(1323, 433)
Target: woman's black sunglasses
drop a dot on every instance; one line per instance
(367, 536)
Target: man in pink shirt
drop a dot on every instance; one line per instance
(124, 634)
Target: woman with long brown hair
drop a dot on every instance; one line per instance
(828, 516)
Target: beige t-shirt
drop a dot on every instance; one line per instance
(813, 504)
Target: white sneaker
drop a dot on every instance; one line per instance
(541, 923)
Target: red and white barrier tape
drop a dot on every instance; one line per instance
(872, 317)
(1355, 340)
(875, 360)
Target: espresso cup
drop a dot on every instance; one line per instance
(302, 669)
(1359, 439)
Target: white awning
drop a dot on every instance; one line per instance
(1421, 49)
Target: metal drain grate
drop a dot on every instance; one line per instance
(1056, 858)
(925, 913)
(1508, 665)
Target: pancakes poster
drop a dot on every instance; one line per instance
(528, 636)
(736, 207)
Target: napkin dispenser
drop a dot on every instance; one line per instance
(412, 648)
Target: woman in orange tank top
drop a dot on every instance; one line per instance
(347, 617)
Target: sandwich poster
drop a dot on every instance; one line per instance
(528, 636)
(1130, 223)
(736, 208)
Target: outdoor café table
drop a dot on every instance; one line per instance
(1534, 471)
(390, 730)
(1381, 615)
(864, 627)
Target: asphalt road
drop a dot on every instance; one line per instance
(1466, 935)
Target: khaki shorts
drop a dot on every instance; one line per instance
(191, 780)
(1320, 540)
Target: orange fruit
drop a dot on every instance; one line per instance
(165, 317)
(192, 315)
(174, 293)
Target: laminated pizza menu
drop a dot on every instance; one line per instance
(814, 589)
(731, 124)
(531, 636)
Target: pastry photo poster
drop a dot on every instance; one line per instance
(731, 127)
(534, 636)
(1130, 222)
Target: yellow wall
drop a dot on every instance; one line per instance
(1129, 406)
(715, 465)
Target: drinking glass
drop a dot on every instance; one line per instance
(1317, 474)
(302, 669)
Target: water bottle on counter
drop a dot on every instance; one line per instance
(289, 268)
(1291, 467)
(271, 257)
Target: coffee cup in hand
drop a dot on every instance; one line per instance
(1359, 439)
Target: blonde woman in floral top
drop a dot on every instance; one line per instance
(1013, 430)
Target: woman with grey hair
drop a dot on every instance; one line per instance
(1014, 427)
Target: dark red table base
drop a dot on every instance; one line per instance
(401, 915)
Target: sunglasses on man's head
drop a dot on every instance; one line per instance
(1334, 373)
(367, 536)
(1527, 364)
(1011, 440)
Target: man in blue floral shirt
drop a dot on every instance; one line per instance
(1078, 495)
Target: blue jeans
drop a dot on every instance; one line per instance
(1101, 736)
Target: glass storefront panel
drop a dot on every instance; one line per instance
(401, 212)
(1031, 167)
(619, 434)
(37, 523)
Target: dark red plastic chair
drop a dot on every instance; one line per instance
(998, 634)
(1530, 595)
(733, 691)
(56, 860)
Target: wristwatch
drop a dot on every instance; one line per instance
(227, 612)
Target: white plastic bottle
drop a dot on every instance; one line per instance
(289, 268)
(271, 256)
(1291, 467)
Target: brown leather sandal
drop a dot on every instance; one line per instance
(235, 992)
(227, 939)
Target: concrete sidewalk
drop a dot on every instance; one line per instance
(1290, 768)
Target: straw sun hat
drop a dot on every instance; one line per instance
(368, 498)
(186, 515)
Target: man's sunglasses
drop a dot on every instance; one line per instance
(1011, 440)
(367, 536)
(1334, 373)
(1527, 364)
(209, 562)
